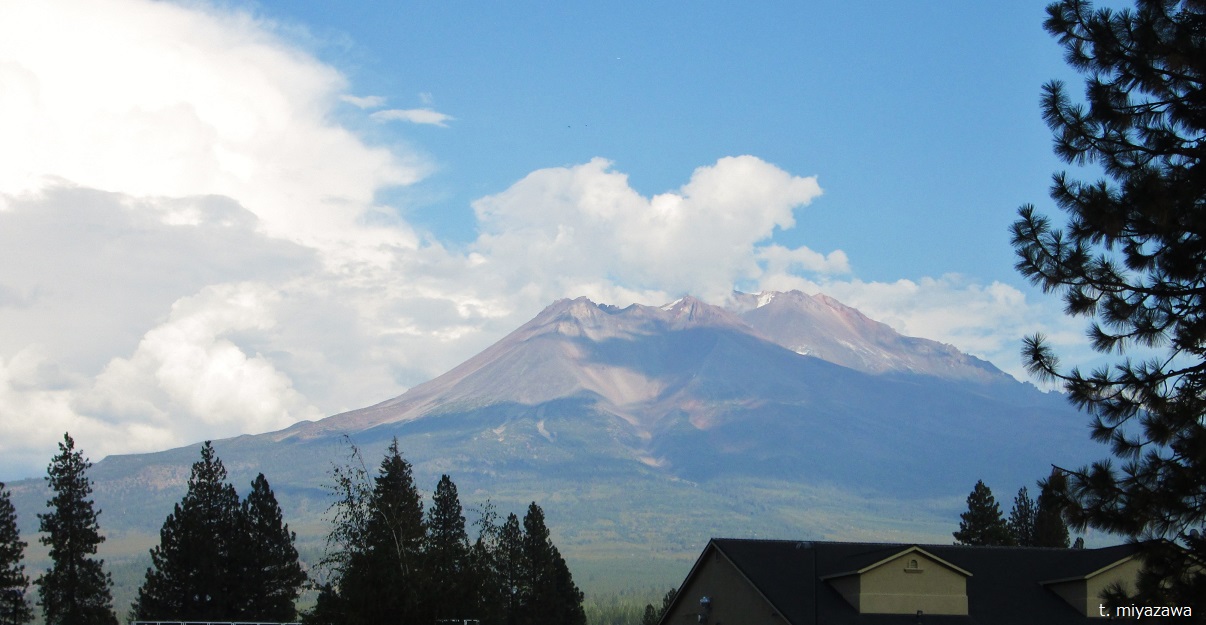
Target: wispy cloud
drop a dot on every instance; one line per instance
(364, 102)
(414, 116)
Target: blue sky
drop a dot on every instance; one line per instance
(223, 218)
(921, 122)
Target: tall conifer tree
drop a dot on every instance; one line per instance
(382, 534)
(982, 524)
(552, 596)
(14, 608)
(1130, 258)
(265, 560)
(512, 569)
(485, 568)
(1022, 519)
(190, 577)
(451, 593)
(219, 560)
(1050, 529)
(75, 590)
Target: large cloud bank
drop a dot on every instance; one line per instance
(190, 245)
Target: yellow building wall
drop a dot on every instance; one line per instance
(1085, 594)
(1074, 593)
(734, 601)
(896, 588)
(1126, 574)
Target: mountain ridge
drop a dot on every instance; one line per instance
(788, 320)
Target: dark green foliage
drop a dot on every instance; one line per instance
(511, 575)
(270, 576)
(512, 571)
(218, 560)
(191, 574)
(485, 566)
(382, 533)
(1132, 259)
(1050, 529)
(75, 590)
(551, 596)
(451, 589)
(1022, 519)
(14, 608)
(653, 615)
(982, 524)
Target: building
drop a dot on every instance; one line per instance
(779, 582)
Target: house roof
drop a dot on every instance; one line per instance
(893, 556)
(1005, 585)
(1090, 574)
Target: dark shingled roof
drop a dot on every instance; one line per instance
(1005, 586)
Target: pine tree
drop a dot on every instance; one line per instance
(1050, 530)
(381, 534)
(14, 608)
(1022, 520)
(982, 524)
(190, 577)
(346, 549)
(653, 615)
(1132, 260)
(513, 577)
(553, 597)
(485, 572)
(75, 590)
(451, 593)
(266, 565)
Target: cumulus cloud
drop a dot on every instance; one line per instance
(156, 99)
(782, 260)
(578, 226)
(187, 365)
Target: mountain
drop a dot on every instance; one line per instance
(781, 385)
(644, 430)
(821, 326)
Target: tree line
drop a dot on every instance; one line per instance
(1030, 523)
(220, 558)
(511, 574)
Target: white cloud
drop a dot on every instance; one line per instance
(156, 99)
(780, 259)
(577, 226)
(414, 116)
(187, 366)
(364, 102)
